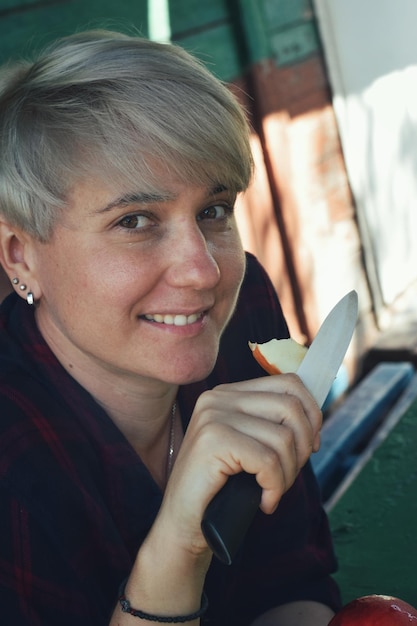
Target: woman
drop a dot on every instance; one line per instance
(128, 394)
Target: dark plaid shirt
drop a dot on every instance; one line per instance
(76, 501)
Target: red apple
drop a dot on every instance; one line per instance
(376, 610)
(279, 356)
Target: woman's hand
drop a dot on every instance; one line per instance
(267, 427)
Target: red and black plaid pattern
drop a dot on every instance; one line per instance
(76, 502)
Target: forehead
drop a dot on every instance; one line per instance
(95, 195)
(138, 171)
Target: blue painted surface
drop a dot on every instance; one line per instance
(347, 431)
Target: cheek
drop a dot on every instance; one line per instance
(232, 270)
(73, 276)
(87, 268)
(233, 264)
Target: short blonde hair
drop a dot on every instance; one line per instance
(102, 103)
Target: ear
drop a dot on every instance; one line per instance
(16, 257)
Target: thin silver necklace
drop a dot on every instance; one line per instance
(171, 447)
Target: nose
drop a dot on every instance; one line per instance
(192, 262)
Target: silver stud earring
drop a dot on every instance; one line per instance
(22, 287)
(15, 280)
(29, 298)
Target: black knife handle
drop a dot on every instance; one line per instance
(229, 515)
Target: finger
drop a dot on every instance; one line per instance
(261, 414)
(289, 384)
(277, 476)
(224, 451)
(317, 442)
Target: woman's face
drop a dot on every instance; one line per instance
(138, 285)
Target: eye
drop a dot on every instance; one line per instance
(134, 222)
(215, 212)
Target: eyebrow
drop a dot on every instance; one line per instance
(150, 198)
(136, 198)
(217, 189)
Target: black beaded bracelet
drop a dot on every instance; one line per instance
(176, 619)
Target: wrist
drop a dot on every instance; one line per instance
(126, 607)
(166, 579)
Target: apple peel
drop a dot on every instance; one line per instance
(279, 356)
(375, 610)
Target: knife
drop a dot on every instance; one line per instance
(231, 512)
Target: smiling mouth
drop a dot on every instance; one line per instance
(174, 320)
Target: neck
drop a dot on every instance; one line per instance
(154, 432)
(140, 407)
(160, 457)
(142, 419)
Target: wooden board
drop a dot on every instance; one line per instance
(374, 523)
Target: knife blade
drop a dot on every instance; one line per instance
(230, 513)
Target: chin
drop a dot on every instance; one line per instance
(192, 372)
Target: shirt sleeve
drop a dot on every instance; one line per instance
(289, 555)
(29, 594)
(55, 544)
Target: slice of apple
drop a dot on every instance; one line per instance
(279, 356)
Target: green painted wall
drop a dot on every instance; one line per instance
(227, 35)
(26, 25)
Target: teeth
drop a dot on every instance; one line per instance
(176, 320)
